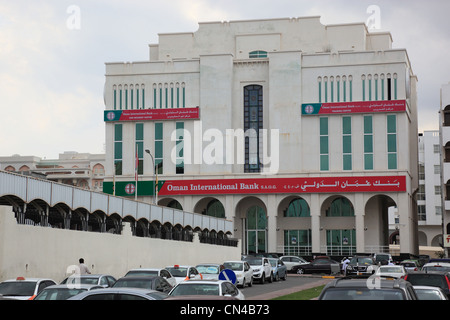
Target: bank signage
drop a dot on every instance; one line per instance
(272, 185)
(309, 109)
(151, 114)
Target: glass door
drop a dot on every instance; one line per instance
(256, 230)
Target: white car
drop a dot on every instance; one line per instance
(291, 261)
(436, 266)
(153, 272)
(209, 270)
(207, 288)
(243, 271)
(182, 273)
(262, 270)
(391, 271)
(24, 288)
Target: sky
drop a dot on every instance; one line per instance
(53, 55)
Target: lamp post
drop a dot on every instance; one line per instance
(155, 197)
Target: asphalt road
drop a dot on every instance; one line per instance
(293, 283)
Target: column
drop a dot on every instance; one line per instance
(272, 223)
(359, 223)
(315, 223)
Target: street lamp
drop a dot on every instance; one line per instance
(155, 180)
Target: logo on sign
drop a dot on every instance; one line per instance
(309, 109)
(110, 116)
(130, 188)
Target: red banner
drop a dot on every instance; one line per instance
(354, 107)
(152, 114)
(284, 185)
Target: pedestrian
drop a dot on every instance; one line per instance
(83, 268)
(345, 262)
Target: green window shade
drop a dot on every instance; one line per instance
(323, 126)
(392, 161)
(324, 145)
(158, 131)
(368, 124)
(347, 144)
(324, 166)
(347, 158)
(368, 144)
(118, 132)
(368, 161)
(139, 131)
(392, 123)
(392, 142)
(347, 125)
(118, 150)
(158, 149)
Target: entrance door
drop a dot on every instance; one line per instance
(256, 230)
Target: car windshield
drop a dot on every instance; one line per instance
(433, 280)
(392, 269)
(82, 280)
(428, 294)
(178, 271)
(208, 269)
(133, 283)
(362, 294)
(436, 268)
(17, 288)
(381, 257)
(408, 264)
(58, 294)
(235, 266)
(273, 263)
(359, 260)
(142, 273)
(255, 262)
(195, 289)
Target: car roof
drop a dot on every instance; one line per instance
(29, 280)
(437, 263)
(146, 269)
(73, 286)
(140, 291)
(140, 278)
(362, 283)
(209, 281)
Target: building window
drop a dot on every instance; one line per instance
(437, 190)
(437, 169)
(215, 209)
(347, 143)
(324, 152)
(368, 143)
(438, 210)
(257, 54)
(340, 207)
(421, 192)
(421, 213)
(297, 208)
(179, 147)
(159, 147)
(118, 149)
(253, 123)
(140, 147)
(392, 141)
(436, 148)
(421, 171)
(363, 79)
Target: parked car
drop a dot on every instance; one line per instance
(120, 294)
(208, 288)
(210, 270)
(64, 291)
(24, 288)
(291, 261)
(104, 280)
(262, 270)
(243, 271)
(433, 279)
(279, 270)
(153, 272)
(436, 266)
(382, 258)
(182, 273)
(391, 271)
(358, 289)
(410, 265)
(361, 266)
(153, 283)
(430, 293)
(318, 265)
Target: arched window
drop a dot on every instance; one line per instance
(340, 207)
(215, 209)
(253, 123)
(174, 204)
(257, 54)
(297, 208)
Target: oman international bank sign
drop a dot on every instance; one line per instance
(389, 106)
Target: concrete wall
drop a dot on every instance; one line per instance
(32, 251)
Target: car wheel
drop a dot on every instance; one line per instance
(263, 278)
(250, 284)
(285, 276)
(277, 277)
(271, 278)
(300, 271)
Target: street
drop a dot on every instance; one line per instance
(293, 283)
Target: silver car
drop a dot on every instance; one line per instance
(120, 294)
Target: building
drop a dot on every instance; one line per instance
(444, 127)
(83, 170)
(429, 201)
(303, 134)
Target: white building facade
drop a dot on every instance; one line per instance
(444, 126)
(302, 134)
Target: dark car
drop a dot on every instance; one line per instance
(374, 288)
(361, 266)
(320, 265)
(433, 279)
(154, 283)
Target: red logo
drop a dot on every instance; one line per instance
(130, 188)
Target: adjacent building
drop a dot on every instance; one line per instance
(444, 127)
(303, 134)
